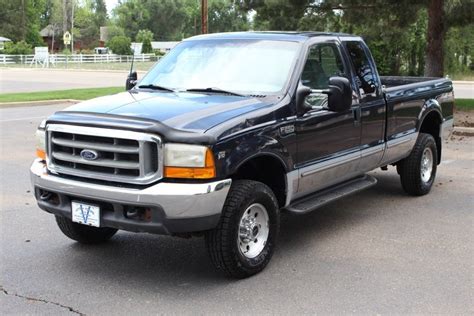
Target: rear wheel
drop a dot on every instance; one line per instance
(418, 170)
(243, 242)
(82, 233)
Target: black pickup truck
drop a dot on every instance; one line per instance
(227, 131)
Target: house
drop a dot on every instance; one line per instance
(53, 36)
(2, 42)
(163, 47)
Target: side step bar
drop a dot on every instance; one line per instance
(314, 201)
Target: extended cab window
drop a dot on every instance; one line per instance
(365, 77)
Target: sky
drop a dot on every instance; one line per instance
(111, 4)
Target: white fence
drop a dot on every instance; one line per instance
(75, 59)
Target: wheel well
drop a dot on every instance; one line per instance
(268, 170)
(431, 125)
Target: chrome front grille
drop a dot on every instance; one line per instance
(117, 155)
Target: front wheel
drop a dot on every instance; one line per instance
(418, 170)
(243, 242)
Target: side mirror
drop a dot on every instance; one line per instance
(131, 80)
(339, 94)
(301, 93)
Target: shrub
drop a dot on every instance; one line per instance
(146, 47)
(144, 35)
(120, 45)
(158, 52)
(18, 48)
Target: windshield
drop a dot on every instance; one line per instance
(240, 66)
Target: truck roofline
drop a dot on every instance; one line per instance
(270, 35)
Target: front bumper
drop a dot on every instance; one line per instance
(167, 207)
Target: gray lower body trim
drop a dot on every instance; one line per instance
(324, 174)
(399, 148)
(371, 157)
(291, 186)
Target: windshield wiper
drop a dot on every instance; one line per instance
(156, 87)
(215, 90)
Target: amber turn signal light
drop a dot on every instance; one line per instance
(206, 172)
(41, 154)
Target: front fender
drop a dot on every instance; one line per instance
(233, 153)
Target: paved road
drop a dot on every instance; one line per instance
(24, 80)
(29, 80)
(464, 89)
(378, 252)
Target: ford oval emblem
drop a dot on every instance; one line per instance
(89, 154)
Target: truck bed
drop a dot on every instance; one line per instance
(394, 81)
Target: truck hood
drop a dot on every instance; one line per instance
(185, 111)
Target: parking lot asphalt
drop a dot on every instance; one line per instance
(379, 251)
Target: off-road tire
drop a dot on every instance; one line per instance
(222, 242)
(82, 233)
(410, 167)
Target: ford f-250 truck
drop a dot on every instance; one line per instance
(227, 131)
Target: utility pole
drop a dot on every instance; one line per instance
(23, 20)
(203, 16)
(72, 27)
(64, 16)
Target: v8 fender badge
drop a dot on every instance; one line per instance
(286, 130)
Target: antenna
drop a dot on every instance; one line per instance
(133, 58)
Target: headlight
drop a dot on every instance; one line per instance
(41, 141)
(188, 161)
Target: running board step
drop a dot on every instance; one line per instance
(312, 202)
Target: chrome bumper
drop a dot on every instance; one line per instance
(175, 201)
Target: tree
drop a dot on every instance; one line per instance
(145, 37)
(166, 19)
(131, 16)
(442, 16)
(120, 45)
(278, 15)
(224, 16)
(20, 20)
(435, 39)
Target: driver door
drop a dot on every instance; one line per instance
(328, 142)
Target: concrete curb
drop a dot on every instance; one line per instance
(463, 131)
(37, 103)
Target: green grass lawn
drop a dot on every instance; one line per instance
(77, 94)
(464, 104)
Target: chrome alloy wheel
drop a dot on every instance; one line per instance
(253, 230)
(426, 164)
